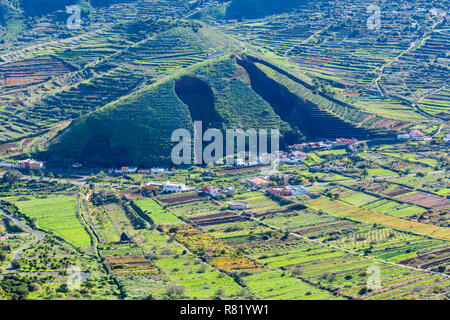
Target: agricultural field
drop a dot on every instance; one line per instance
(57, 215)
(102, 192)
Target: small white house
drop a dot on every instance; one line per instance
(239, 162)
(403, 136)
(175, 187)
(157, 170)
(297, 190)
(238, 205)
(132, 169)
(7, 164)
(213, 192)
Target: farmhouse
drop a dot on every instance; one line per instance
(242, 163)
(30, 164)
(403, 136)
(297, 190)
(152, 186)
(447, 138)
(319, 145)
(175, 187)
(213, 192)
(7, 164)
(413, 135)
(344, 142)
(157, 170)
(238, 205)
(258, 182)
(279, 191)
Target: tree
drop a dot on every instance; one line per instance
(124, 237)
(175, 292)
(16, 265)
(11, 177)
(63, 288)
(365, 173)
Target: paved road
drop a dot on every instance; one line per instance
(39, 236)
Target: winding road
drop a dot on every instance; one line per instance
(18, 253)
(414, 45)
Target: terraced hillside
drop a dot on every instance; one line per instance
(21, 75)
(308, 76)
(386, 71)
(317, 114)
(100, 67)
(228, 92)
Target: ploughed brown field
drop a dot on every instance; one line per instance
(21, 74)
(214, 219)
(426, 200)
(179, 198)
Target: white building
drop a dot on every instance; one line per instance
(239, 162)
(157, 170)
(30, 164)
(175, 187)
(132, 169)
(297, 190)
(213, 192)
(7, 164)
(403, 137)
(238, 205)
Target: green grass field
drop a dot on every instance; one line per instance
(359, 199)
(156, 212)
(380, 172)
(58, 216)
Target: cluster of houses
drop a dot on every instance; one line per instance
(262, 183)
(414, 134)
(327, 144)
(173, 187)
(130, 170)
(295, 155)
(254, 160)
(28, 164)
(166, 187)
(214, 192)
(287, 191)
(336, 166)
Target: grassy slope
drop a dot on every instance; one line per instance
(134, 130)
(130, 130)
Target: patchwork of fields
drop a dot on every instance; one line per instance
(357, 209)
